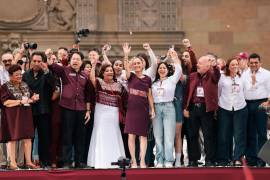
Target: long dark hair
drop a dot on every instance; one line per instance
(103, 69)
(227, 71)
(169, 68)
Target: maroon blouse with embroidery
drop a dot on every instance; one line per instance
(112, 95)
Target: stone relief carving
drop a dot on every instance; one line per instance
(12, 42)
(37, 19)
(148, 15)
(61, 14)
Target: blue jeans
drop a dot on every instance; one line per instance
(231, 124)
(256, 130)
(164, 131)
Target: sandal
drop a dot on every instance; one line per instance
(133, 164)
(11, 167)
(31, 166)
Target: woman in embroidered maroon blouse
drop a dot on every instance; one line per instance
(17, 121)
(139, 100)
(106, 144)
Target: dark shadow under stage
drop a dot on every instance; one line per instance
(138, 174)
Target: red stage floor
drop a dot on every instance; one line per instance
(138, 174)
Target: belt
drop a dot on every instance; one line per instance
(257, 100)
(163, 103)
(198, 105)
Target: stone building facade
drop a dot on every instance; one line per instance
(224, 27)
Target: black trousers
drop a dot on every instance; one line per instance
(199, 118)
(256, 131)
(43, 124)
(73, 135)
(89, 129)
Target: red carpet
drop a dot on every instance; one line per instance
(139, 174)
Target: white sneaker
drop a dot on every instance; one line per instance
(168, 165)
(177, 164)
(159, 165)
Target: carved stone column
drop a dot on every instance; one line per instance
(86, 14)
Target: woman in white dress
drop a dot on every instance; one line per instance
(106, 144)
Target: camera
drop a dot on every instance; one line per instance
(81, 33)
(30, 45)
(122, 162)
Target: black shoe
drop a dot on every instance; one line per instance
(209, 164)
(45, 165)
(261, 164)
(252, 163)
(193, 164)
(67, 166)
(80, 165)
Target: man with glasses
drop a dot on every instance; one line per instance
(257, 91)
(7, 59)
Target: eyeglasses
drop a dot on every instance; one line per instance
(7, 60)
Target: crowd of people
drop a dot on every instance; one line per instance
(62, 110)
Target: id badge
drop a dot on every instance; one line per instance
(235, 88)
(160, 92)
(200, 91)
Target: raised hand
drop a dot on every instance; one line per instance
(173, 54)
(186, 43)
(126, 49)
(146, 46)
(106, 48)
(48, 52)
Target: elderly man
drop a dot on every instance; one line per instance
(200, 104)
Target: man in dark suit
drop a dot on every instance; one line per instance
(200, 104)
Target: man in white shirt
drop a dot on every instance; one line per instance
(257, 91)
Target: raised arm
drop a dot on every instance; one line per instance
(177, 63)
(92, 75)
(152, 70)
(215, 72)
(193, 58)
(126, 50)
(105, 50)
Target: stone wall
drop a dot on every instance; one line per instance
(227, 27)
(224, 27)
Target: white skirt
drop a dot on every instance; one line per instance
(106, 145)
